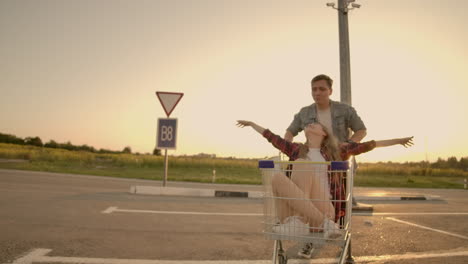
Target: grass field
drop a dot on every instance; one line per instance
(241, 171)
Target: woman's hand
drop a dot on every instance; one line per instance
(244, 123)
(406, 142)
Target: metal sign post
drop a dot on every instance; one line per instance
(167, 127)
(167, 136)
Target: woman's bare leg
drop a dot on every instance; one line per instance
(298, 204)
(312, 179)
(283, 210)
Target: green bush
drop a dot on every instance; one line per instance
(200, 169)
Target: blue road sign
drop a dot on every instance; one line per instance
(167, 133)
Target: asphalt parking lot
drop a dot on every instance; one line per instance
(56, 218)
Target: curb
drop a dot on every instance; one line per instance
(180, 191)
(177, 191)
(398, 198)
(360, 207)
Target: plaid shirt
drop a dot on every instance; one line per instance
(337, 183)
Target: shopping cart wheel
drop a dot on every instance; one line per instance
(282, 257)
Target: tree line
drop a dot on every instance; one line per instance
(440, 163)
(36, 141)
(450, 163)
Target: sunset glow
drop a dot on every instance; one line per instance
(87, 71)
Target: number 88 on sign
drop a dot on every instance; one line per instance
(167, 133)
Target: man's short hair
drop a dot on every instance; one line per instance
(323, 77)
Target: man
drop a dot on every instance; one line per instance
(338, 117)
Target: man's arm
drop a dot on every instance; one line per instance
(358, 135)
(288, 136)
(294, 128)
(357, 126)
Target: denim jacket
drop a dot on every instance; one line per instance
(344, 119)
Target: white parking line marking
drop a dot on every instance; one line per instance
(32, 256)
(115, 209)
(39, 256)
(430, 213)
(422, 255)
(428, 228)
(109, 210)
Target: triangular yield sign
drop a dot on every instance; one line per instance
(169, 100)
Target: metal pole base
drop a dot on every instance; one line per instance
(350, 260)
(361, 207)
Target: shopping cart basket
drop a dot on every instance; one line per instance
(307, 202)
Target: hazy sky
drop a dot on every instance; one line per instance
(87, 71)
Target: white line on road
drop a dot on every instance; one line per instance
(32, 256)
(113, 209)
(109, 210)
(429, 213)
(422, 255)
(39, 256)
(425, 227)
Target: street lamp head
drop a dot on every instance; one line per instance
(331, 4)
(355, 5)
(351, 1)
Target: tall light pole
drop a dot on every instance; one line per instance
(345, 66)
(344, 6)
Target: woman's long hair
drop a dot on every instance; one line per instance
(329, 146)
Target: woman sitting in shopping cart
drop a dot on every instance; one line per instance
(317, 210)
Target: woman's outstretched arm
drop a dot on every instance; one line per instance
(359, 148)
(406, 142)
(244, 123)
(289, 148)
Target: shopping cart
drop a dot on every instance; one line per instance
(300, 197)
